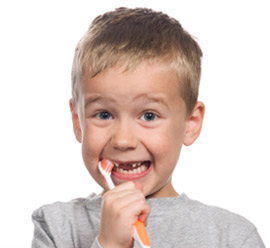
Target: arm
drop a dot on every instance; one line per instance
(44, 238)
(253, 241)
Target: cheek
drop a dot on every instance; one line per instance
(169, 139)
(92, 145)
(167, 148)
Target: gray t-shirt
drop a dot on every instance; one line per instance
(173, 222)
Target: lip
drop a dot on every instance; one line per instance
(130, 177)
(127, 162)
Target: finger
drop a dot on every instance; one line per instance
(143, 218)
(139, 208)
(121, 190)
(115, 195)
(139, 186)
(124, 186)
(117, 200)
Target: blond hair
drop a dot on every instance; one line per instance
(131, 36)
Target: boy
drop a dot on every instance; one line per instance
(135, 81)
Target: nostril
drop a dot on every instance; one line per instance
(124, 148)
(123, 136)
(123, 143)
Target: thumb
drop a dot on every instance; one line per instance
(139, 186)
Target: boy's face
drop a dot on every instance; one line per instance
(136, 119)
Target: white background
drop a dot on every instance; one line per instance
(39, 157)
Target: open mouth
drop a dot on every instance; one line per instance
(132, 168)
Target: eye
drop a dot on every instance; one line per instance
(149, 116)
(104, 115)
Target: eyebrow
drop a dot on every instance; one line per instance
(92, 99)
(146, 98)
(153, 98)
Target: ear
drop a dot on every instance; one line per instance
(194, 124)
(76, 121)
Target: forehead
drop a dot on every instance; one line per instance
(145, 84)
(145, 77)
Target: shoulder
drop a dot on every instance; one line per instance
(202, 216)
(61, 224)
(206, 225)
(234, 227)
(58, 211)
(220, 216)
(196, 211)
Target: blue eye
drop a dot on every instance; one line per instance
(104, 115)
(149, 116)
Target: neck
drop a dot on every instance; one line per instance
(166, 191)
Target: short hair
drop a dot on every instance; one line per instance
(131, 36)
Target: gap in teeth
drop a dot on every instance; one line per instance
(128, 165)
(137, 170)
(134, 168)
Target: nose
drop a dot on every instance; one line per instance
(123, 137)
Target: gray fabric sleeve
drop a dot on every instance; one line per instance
(96, 244)
(253, 241)
(44, 239)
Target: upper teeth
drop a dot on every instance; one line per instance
(136, 164)
(133, 165)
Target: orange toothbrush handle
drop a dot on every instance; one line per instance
(141, 233)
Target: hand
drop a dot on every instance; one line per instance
(121, 208)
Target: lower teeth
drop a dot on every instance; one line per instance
(132, 172)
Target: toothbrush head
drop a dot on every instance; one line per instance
(106, 165)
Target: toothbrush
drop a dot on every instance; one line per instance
(140, 234)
